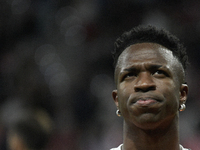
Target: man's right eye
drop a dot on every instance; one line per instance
(129, 75)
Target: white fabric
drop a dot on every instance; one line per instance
(120, 148)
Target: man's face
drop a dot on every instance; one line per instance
(149, 85)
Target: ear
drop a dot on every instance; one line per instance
(183, 93)
(115, 98)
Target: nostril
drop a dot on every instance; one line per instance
(152, 88)
(145, 88)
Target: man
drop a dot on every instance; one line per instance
(150, 90)
(30, 133)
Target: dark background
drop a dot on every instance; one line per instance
(55, 55)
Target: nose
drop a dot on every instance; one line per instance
(144, 83)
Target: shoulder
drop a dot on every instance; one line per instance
(118, 148)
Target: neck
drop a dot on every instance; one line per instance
(164, 137)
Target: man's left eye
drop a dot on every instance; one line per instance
(160, 73)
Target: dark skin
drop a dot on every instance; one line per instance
(149, 93)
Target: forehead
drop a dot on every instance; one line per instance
(146, 53)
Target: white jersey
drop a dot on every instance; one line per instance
(120, 148)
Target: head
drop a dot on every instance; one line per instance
(30, 133)
(150, 68)
(150, 34)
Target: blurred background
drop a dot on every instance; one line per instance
(55, 58)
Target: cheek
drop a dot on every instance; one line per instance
(124, 92)
(171, 94)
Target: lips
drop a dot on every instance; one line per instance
(146, 100)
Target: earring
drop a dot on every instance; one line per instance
(183, 107)
(118, 113)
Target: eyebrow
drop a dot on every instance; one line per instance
(149, 67)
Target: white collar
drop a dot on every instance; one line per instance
(120, 148)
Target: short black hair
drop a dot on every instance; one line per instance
(151, 34)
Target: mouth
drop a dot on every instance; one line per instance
(145, 101)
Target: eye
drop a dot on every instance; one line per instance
(160, 73)
(129, 76)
